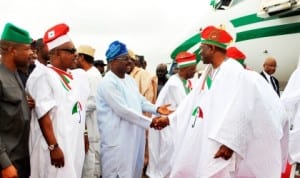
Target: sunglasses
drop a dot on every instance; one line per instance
(69, 50)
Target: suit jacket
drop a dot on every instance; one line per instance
(14, 121)
(275, 81)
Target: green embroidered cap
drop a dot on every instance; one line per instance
(15, 34)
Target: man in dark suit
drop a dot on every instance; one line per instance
(269, 69)
(15, 50)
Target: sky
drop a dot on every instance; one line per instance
(152, 28)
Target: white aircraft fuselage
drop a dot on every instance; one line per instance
(277, 36)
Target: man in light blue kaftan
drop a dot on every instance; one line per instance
(121, 122)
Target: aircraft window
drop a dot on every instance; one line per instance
(223, 4)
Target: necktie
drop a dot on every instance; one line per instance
(273, 83)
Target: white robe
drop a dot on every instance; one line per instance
(122, 126)
(161, 143)
(68, 120)
(267, 114)
(225, 117)
(92, 163)
(291, 99)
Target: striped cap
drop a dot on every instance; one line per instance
(185, 59)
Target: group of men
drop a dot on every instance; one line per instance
(50, 126)
(222, 126)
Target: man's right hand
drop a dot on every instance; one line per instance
(159, 122)
(57, 157)
(9, 172)
(224, 152)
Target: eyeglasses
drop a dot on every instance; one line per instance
(69, 50)
(123, 58)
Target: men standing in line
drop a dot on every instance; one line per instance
(121, 122)
(269, 69)
(15, 52)
(57, 123)
(161, 144)
(225, 115)
(92, 166)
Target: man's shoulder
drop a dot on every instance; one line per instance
(39, 70)
(94, 72)
(3, 70)
(38, 73)
(2, 73)
(1, 67)
(173, 79)
(262, 73)
(6, 75)
(231, 66)
(109, 78)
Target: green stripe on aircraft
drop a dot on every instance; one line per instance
(252, 18)
(186, 45)
(268, 31)
(248, 19)
(244, 35)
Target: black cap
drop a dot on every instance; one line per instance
(99, 63)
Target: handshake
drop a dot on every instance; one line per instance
(159, 122)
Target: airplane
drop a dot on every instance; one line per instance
(260, 28)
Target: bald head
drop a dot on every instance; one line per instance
(270, 65)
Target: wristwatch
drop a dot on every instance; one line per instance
(51, 147)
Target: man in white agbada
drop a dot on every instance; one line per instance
(92, 164)
(291, 100)
(273, 109)
(121, 122)
(57, 124)
(225, 115)
(161, 143)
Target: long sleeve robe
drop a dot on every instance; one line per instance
(122, 126)
(225, 115)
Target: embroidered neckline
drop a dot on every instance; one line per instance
(211, 76)
(187, 84)
(64, 76)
